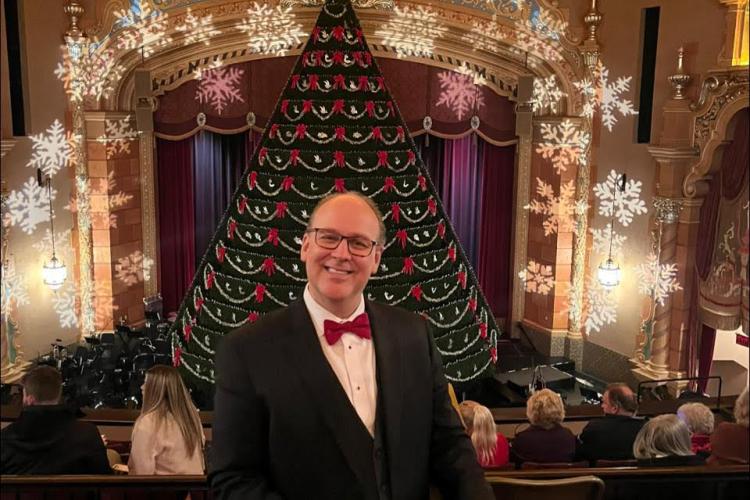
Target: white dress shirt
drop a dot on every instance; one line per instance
(352, 359)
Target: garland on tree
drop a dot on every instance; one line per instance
(335, 128)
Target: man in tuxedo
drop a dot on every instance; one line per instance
(337, 397)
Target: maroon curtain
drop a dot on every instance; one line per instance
(728, 184)
(176, 220)
(494, 270)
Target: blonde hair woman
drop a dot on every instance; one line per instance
(700, 421)
(664, 440)
(491, 446)
(168, 435)
(730, 442)
(546, 440)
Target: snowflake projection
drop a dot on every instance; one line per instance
(459, 93)
(118, 134)
(64, 304)
(600, 306)
(626, 203)
(657, 280)
(558, 211)
(197, 29)
(537, 278)
(601, 240)
(563, 144)
(599, 92)
(135, 268)
(14, 292)
(62, 244)
(52, 150)
(93, 73)
(412, 31)
(547, 94)
(29, 207)
(271, 30)
(142, 28)
(477, 78)
(219, 87)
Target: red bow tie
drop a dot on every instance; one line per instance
(359, 326)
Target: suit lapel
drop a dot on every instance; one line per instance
(390, 365)
(303, 349)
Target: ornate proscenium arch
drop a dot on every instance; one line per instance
(497, 41)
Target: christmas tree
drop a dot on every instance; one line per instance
(335, 128)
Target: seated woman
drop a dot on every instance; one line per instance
(168, 435)
(491, 446)
(730, 442)
(700, 421)
(664, 441)
(546, 440)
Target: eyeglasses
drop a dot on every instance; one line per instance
(330, 240)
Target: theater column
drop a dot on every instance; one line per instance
(549, 250)
(524, 117)
(676, 223)
(115, 201)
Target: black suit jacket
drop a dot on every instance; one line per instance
(609, 438)
(284, 427)
(49, 439)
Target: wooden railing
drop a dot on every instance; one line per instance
(621, 483)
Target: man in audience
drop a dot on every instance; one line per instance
(47, 438)
(335, 396)
(611, 437)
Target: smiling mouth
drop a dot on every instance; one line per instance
(339, 272)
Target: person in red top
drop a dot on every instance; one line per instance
(491, 446)
(700, 420)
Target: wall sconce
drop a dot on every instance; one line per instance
(609, 273)
(54, 271)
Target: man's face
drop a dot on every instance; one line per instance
(336, 277)
(607, 407)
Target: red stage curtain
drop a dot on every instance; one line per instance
(495, 266)
(176, 220)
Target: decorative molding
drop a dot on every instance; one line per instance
(360, 4)
(723, 93)
(174, 63)
(667, 209)
(148, 209)
(679, 80)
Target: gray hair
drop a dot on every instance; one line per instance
(698, 417)
(355, 194)
(662, 436)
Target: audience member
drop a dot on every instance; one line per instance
(546, 440)
(664, 441)
(491, 446)
(47, 437)
(168, 435)
(611, 437)
(700, 421)
(730, 441)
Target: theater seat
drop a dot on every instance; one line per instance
(554, 465)
(616, 463)
(573, 488)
